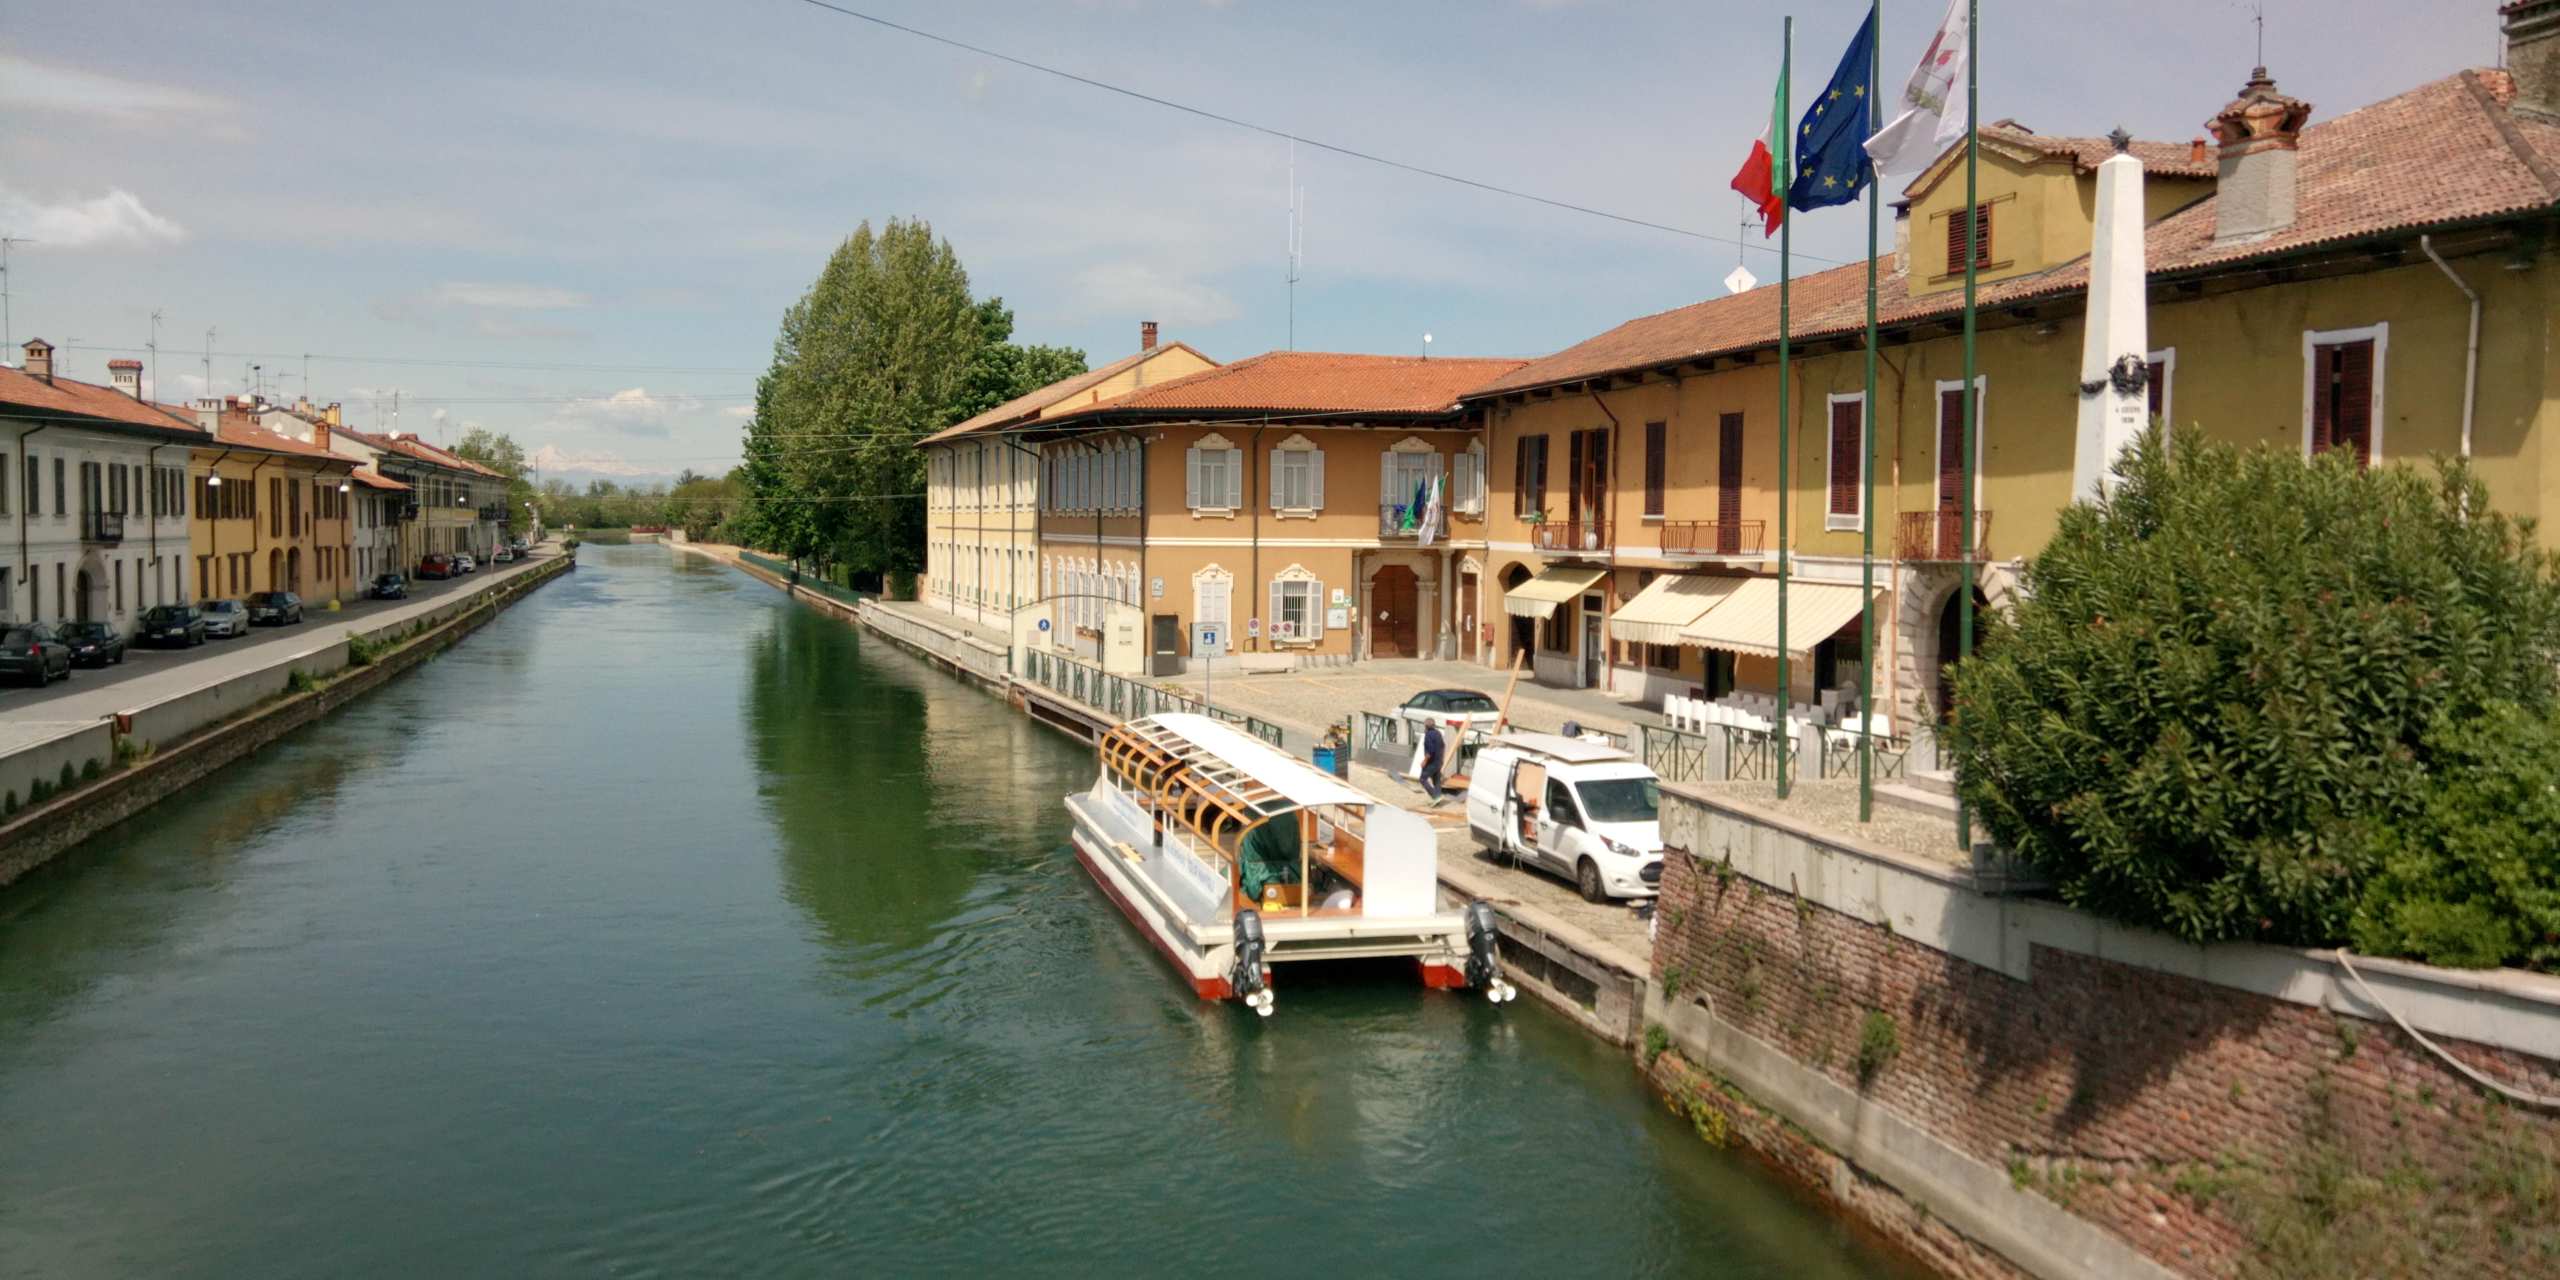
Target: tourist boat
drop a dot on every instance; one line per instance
(1233, 858)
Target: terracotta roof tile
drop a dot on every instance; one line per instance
(239, 433)
(24, 393)
(372, 479)
(1312, 382)
(2377, 170)
(2159, 159)
(1032, 402)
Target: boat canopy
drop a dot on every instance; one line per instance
(1245, 767)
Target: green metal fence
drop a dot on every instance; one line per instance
(1127, 699)
(1679, 755)
(806, 581)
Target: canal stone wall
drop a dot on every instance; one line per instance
(2005, 1085)
(205, 729)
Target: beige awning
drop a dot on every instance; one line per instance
(1539, 596)
(1668, 604)
(1746, 621)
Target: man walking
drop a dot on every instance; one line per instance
(1433, 744)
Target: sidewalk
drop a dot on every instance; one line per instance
(1320, 696)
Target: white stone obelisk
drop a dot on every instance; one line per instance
(2115, 400)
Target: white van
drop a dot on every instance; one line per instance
(1585, 810)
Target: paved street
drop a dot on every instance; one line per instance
(150, 674)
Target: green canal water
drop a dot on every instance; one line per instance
(665, 928)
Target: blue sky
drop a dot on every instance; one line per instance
(591, 213)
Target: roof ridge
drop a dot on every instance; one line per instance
(2504, 122)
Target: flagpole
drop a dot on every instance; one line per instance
(1867, 466)
(1966, 426)
(1786, 424)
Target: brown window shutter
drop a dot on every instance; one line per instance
(1520, 476)
(1729, 484)
(1656, 458)
(2353, 425)
(2158, 385)
(1982, 239)
(1573, 474)
(1845, 459)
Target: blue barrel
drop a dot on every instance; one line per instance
(1324, 759)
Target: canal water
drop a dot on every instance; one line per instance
(664, 927)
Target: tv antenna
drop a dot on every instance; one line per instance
(152, 371)
(208, 362)
(8, 337)
(1297, 241)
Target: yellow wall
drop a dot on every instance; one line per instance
(1167, 364)
(232, 557)
(2043, 209)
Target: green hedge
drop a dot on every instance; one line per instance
(2254, 696)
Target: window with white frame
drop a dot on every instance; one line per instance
(1213, 599)
(1404, 470)
(1466, 481)
(1297, 476)
(1213, 475)
(1297, 606)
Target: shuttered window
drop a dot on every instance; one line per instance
(1657, 443)
(1466, 482)
(1529, 477)
(1982, 239)
(1729, 484)
(1213, 479)
(2342, 408)
(1848, 461)
(1950, 448)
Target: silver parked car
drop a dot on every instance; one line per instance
(225, 618)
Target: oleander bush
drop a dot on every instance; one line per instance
(2253, 696)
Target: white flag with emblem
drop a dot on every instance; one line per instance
(1932, 114)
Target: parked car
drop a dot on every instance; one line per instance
(1454, 710)
(518, 546)
(1584, 810)
(226, 618)
(437, 565)
(275, 608)
(179, 626)
(32, 652)
(93, 644)
(463, 563)
(501, 556)
(388, 586)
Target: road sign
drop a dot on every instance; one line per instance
(1253, 627)
(1044, 624)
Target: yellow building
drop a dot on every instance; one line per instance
(2310, 287)
(272, 513)
(982, 482)
(1273, 500)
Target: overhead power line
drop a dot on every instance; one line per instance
(1319, 144)
(425, 363)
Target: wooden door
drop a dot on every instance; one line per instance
(1729, 484)
(1394, 595)
(1950, 471)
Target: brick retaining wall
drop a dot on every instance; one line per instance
(2217, 1131)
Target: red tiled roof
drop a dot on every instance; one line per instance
(239, 433)
(1059, 392)
(372, 479)
(2159, 159)
(420, 450)
(1312, 382)
(24, 393)
(2447, 152)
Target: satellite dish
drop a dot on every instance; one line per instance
(1426, 338)
(1741, 281)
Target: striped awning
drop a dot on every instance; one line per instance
(1539, 596)
(1668, 604)
(1746, 621)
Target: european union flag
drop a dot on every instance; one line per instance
(1831, 155)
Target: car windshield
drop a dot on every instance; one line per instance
(159, 615)
(1469, 702)
(85, 631)
(18, 636)
(266, 597)
(222, 606)
(1621, 799)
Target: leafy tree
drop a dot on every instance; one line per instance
(2250, 696)
(1003, 369)
(500, 453)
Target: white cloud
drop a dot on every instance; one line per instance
(1137, 288)
(603, 462)
(118, 217)
(739, 411)
(34, 86)
(507, 297)
(632, 411)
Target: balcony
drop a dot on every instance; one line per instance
(1935, 535)
(1570, 537)
(494, 512)
(102, 526)
(1712, 537)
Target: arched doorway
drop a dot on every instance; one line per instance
(1950, 647)
(275, 569)
(1524, 631)
(80, 589)
(292, 571)
(1394, 605)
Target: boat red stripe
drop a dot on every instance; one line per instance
(1209, 988)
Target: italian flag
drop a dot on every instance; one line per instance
(1763, 178)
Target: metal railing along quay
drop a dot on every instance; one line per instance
(1127, 699)
(807, 581)
(1731, 753)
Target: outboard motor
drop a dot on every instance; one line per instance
(1484, 956)
(1245, 980)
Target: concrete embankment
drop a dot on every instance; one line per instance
(123, 762)
(1593, 974)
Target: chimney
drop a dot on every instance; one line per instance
(2532, 28)
(2195, 151)
(335, 416)
(1147, 329)
(1902, 237)
(127, 375)
(2259, 135)
(209, 412)
(40, 360)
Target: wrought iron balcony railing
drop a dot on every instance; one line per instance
(1570, 537)
(1712, 537)
(1937, 535)
(102, 526)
